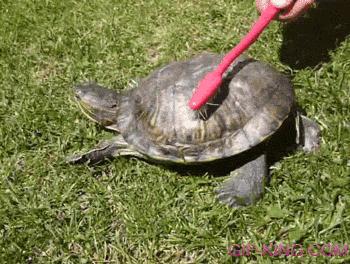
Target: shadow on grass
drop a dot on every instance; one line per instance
(308, 41)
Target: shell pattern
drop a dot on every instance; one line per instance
(250, 106)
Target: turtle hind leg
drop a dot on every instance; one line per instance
(104, 150)
(246, 184)
(309, 134)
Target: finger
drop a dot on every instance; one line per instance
(297, 10)
(282, 4)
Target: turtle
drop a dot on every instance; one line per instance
(152, 121)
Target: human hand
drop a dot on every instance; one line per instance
(291, 9)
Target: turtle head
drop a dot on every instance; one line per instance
(98, 103)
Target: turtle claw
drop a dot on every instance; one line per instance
(80, 159)
(92, 157)
(74, 159)
(232, 200)
(246, 184)
(311, 135)
(105, 149)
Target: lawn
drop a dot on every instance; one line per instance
(130, 211)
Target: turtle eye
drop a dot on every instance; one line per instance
(78, 92)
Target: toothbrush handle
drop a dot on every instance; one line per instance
(268, 15)
(211, 82)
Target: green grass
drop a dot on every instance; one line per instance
(129, 211)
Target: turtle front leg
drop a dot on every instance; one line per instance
(105, 150)
(246, 184)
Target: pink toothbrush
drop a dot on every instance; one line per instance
(211, 82)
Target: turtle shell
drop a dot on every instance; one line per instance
(250, 106)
